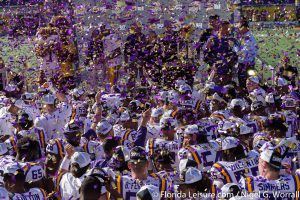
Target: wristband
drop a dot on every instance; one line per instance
(65, 163)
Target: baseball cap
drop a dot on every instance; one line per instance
(55, 146)
(148, 192)
(138, 154)
(3, 194)
(189, 175)
(28, 96)
(256, 105)
(178, 83)
(173, 96)
(257, 95)
(72, 127)
(3, 149)
(281, 82)
(271, 155)
(103, 127)
(254, 79)
(20, 103)
(237, 102)
(83, 159)
(122, 151)
(216, 97)
(186, 163)
(289, 102)
(137, 103)
(48, 99)
(209, 86)
(168, 123)
(270, 98)
(77, 92)
(184, 88)
(162, 95)
(259, 140)
(244, 129)
(26, 114)
(12, 168)
(157, 112)
(230, 189)
(10, 88)
(124, 116)
(4, 100)
(191, 129)
(229, 143)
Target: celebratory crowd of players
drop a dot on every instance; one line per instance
(223, 139)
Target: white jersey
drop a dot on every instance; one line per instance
(204, 154)
(33, 193)
(53, 124)
(6, 119)
(111, 100)
(231, 172)
(258, 120)
(250, 123)
(286, 187)
(291, 152)
(221, 114)
(169, 176)
(69, 186)
(127, 136)
(198, 99)
(115, 173)
(5, 160)
(33, 171)
(292, 122)
(87, 123)
(208, 128)
(153, 131)
(128, 187)
(95, 149)
(4, 194)
(154, 144)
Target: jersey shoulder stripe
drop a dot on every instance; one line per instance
(151, 146)
(195, 155)
(223, 171)
(120, 185)
(42, 138)
(174, 113)
(250, 184)
(126, 135)
(58, 180)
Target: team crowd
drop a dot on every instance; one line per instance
(170, 136)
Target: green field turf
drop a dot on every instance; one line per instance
(274, 43)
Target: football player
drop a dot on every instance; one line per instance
(233, 166)
(168, 142)
(14, 182)
(68, 183)
(128, 186)
(269, 182)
